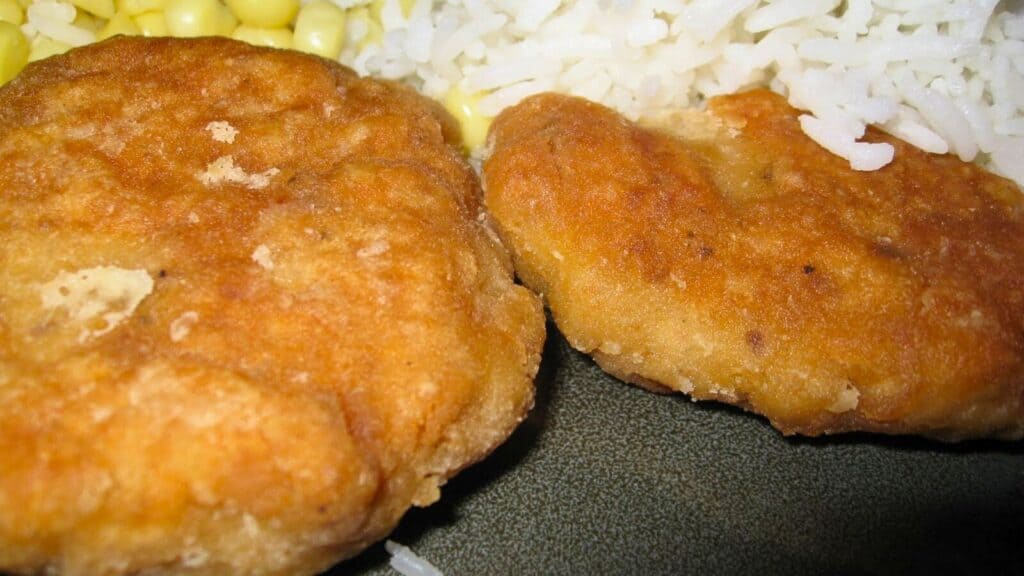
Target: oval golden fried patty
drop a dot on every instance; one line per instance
(248, 313)
(726, 255)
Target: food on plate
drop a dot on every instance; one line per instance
(249, 313)
(944, 75)
(726, 255)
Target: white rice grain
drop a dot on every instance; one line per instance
(782, 12)
(406, 562)
(54, 20)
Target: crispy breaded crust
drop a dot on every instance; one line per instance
(728, 256)
(248, 313)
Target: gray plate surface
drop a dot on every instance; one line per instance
(605, 478)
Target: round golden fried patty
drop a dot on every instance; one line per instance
(248, 311)
(728, 256)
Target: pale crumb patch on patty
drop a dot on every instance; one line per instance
(222, 131)
(846, 400)
(182, 325)
(224, 170)
(261, 256)
(99, 298)
(375, 248)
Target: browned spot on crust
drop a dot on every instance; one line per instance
(884, 248)
(755, 339)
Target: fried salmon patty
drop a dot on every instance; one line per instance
(726, 255)
(248, 313)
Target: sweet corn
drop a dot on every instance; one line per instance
(122, 24)
(265, 13)
(136, 7)
(273, 37)
(10, 11)
(85, 20)
(43, 47)
(377, 8)
(101, 8)
(151, 24)
(191, 18)
(13, 51)
(320, 29)
(373, 34)
(466, 109)
(227, 23)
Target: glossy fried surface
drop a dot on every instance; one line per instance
(248, 313)
(727, 256)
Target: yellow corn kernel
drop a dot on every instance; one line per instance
(13, 51)
(265, 13)
(191, 18)
(320, 29)
(273, 37)
(151, 24)
(466, 109)
(122, 24)
(374, 32)
(85, 20)
(101, 8)
(377, 7)
(227, 22)
(11, 11)
(136, 7)
(43, 47)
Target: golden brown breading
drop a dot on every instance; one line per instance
(736, 260)
(248, 314)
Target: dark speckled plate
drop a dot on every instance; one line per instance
(605, 478)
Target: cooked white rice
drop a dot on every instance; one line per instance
(407, 563)
(54, 20)
(944, 75)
